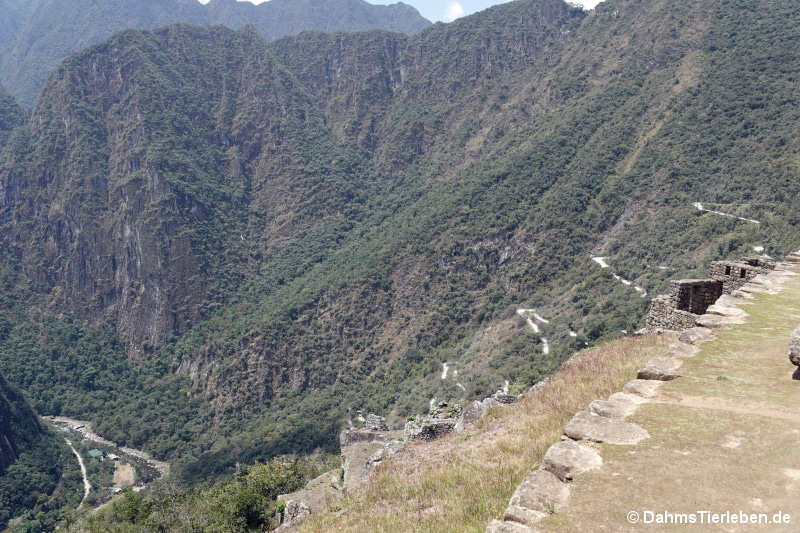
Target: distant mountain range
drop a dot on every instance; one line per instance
(35, 35)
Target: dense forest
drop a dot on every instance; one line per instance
(214, 245)
(36, 35)
(39, 482)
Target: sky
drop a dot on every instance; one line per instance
(449, 10)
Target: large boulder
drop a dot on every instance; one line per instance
(695, 335)
(541, 491)
(520, 515)
(625, 397)
(682, 349)
(614, 407)
(794, 347)
(473, 412)
(662, 368)
(589, 426)
(642, 387)
(567, 458)
(294, 513)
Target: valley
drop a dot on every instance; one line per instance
(219, 243)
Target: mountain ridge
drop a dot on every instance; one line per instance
(281, 244)
(38, 35)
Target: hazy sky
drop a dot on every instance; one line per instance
(449, 10)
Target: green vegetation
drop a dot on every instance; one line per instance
(218, 246)
(36, 36)
(246, 503)
(11, 116)
(39, 479)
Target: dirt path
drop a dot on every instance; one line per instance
(526, 314)
(87, 487)
(85, 429)
(700, 207)
(723, 439)
(603, 264)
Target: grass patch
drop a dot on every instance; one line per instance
(460, 482)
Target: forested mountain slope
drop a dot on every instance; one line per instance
(33, 463)
(283, 231)
(11, 115)
(36, 35)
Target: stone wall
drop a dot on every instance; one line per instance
(687, 299)
(664, 315)
(690, 298)
(734, 274)
(694, 295)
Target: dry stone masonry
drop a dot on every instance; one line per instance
(690, 299)
(735, 274)
(687, 299)
(547, 489)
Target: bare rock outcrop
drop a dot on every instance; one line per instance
(294, 513)
(567, 458)
(661, 368)
(541, 491)
(589, 426)
(794, 347)
(350, 437)
(439, 421)
(695, 335)
(718, 321)
(473, 412)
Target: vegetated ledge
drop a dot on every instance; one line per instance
(461, 481)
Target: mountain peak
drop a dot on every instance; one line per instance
(35, 39)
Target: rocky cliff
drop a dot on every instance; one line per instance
(11, 116)
(36, 36)
(323, 220)
(19, 425)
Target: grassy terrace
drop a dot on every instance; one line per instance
(723, 438)
(461, 482)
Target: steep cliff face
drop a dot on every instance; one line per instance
(377, 87)
(324, 220)
(19, 425)
(33, 464)
(155, 197)
(35, 36)
(11, 116)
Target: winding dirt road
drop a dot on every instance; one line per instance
(87, 487)
(85, 429)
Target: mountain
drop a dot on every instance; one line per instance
(219, 245)
(35, 36)
(11, 115)
(33, 464)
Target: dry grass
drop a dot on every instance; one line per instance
(724, 436)
(461, 482)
